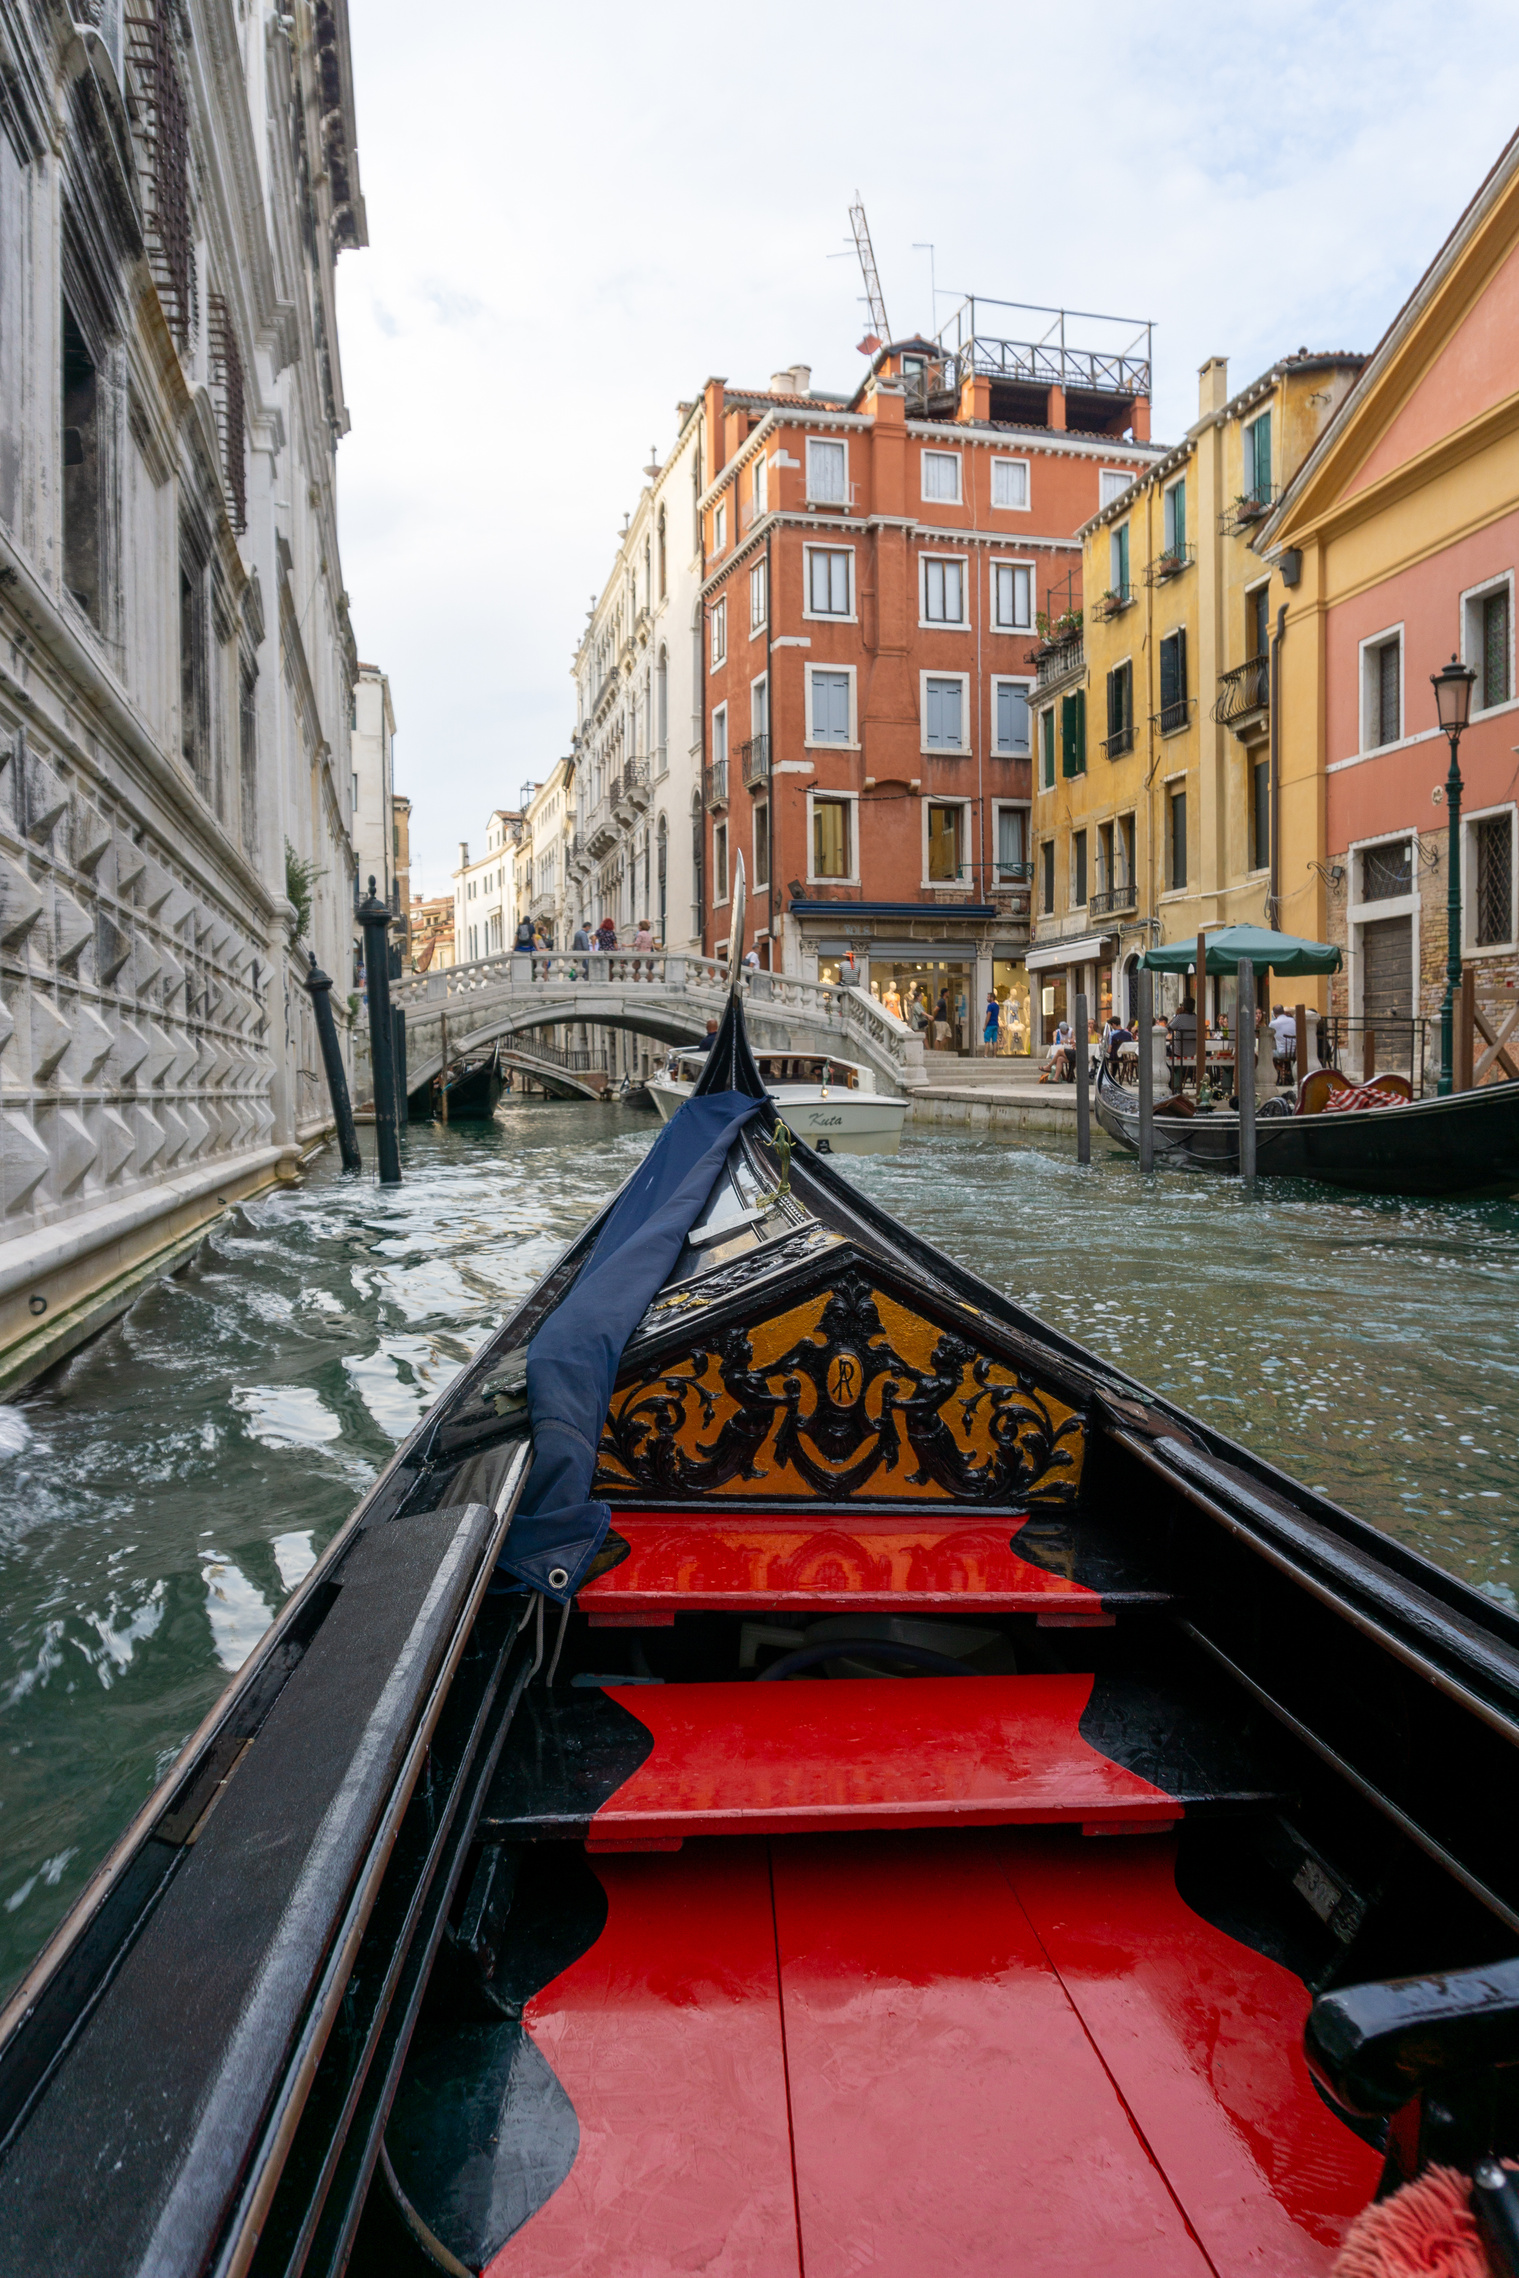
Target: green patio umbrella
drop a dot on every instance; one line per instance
(1283, 953)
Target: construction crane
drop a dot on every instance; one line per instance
(873, 294)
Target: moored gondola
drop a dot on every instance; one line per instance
(796, 1764)
(468, 1089)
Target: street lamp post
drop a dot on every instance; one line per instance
(1453, 702)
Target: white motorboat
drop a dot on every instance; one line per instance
(830, 1104)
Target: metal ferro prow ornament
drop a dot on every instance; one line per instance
(736, 929)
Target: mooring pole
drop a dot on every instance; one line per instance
(443, 1071)
(398, 1051)
(374, 917)
(1146, 1068)
(319, 989)
(1244, 1066)
(1083, 1097)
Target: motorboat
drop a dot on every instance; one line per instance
(830, 1105)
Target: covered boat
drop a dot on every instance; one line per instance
(794, 1766)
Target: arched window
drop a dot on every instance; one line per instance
(663, 881)
(698, 866)
(661, 708)
(661, 553)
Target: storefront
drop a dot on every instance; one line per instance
(1060, 971)
(1010, 987)
(933, 991)
(934, 968)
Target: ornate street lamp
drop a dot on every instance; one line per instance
(1453, 703)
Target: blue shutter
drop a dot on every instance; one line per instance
(830, 707)
(935, 722)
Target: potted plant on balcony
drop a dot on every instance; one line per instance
(1112, 601)
(1168, 565)
(1249, 508)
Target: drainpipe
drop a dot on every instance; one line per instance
(1274, 898)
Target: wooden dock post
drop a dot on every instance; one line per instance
(1083, 1096)
(1244, 1066)
(443, 1071)
(1146, 1068)
(1466, 1032)
(1300, 1064)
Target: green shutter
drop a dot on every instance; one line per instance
(1067, 735)
(1080, 702)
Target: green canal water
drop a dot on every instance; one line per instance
(163, 1492)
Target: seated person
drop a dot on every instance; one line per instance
(1117, 1034)
(1181, 1046)
(1060, 1060)
(1283, 1043)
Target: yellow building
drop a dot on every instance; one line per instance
(1156, 772)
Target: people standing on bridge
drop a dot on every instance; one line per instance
(606, 936)
(524, 940)
(643, 942)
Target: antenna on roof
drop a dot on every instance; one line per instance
(873, 293)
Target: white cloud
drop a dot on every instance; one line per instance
(577, 215)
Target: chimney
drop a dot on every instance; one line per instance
(801, 375)
(464, 854)
(1213, 385)
(796, 379)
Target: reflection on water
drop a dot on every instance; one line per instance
(164, 1493)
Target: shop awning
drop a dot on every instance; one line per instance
(1085, 949)
(1285, 953)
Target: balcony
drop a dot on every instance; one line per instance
(1172, 718)
(601, 830)
(715, 785)
(1060, 661)
(1170, 564)
(1114, 602)
(1250, 507)
(1119, 742)
(630, 795)
(1244, 696)
(754, 758)
(1113, 901)
(838, 501)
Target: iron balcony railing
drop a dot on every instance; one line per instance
(974, 340)
(1250, 507)
(1120, 741)
(1115, 599)
(1059, 660)
(633, 789)
(1245, 689)
(715, 784)
(1173, 716)
(754, 757)
(1111, 900)
(1170, 564)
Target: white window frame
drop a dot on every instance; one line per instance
(1107, 476)
(1373, 642)
(719, 633)
(831, 743)
(827, 616)
(759, 693)
(999, 624)
(720, 900)
(1012, 680)
(932, 498)
(1000, 506)
(760, 807)
(1469, 947)
(1359, 913)
(759, 589)
(927, 624)
(759, 486)
(1168, 513)
(827, 443)
(1023, 807)
(850, 799)
(1051, 713)
(965, 750)
(966, 861)
(720, 528)
(1471, 638)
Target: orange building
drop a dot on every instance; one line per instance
(877, 569)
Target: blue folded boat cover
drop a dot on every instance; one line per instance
(573, 1360)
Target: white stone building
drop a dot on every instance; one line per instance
(485, 890)
(176, 660)
(372, 754)
(548, 824)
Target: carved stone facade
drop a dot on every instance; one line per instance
(176, 661)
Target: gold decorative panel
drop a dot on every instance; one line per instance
(849, 1393)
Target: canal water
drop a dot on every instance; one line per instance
(163, 1492)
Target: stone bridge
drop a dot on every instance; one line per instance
(670, 996)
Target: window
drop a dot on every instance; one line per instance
(943, 713)
(81, 471)
(1174, 517)
(1047, 750)
(1047, 878)
(762, 843)
(759, 489)
(941, 476)
(1120, 736)
(1012, 842)
(1258, 621)
(247, 747)
(1118, 562)
(1258, 460)
(1177, 820)
(1010, 483)
(830, 838)
(943, 592)
(1078, 870)
(830, 707)
(759, 707)
(1386, 871)
(1012, 597)
(1260, 814)
(719, 863)
(1492, 844)
(1111, 485)
(1174, 702)
(698, 864)
(944, 825)
(720, 528)
(1011, 733)
(1073, 733)
(759, 597)
(661, 553)
(1382, 692)
(828, 581)
(719, 631)
(1487, 626)
(662, 704)
(194, 677)
(827, 473)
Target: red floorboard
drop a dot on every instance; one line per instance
(666, 2037)
(949, 2113)
(742, 1562)
(870, 1753)
(1204, 2038)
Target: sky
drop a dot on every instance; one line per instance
(578, 215)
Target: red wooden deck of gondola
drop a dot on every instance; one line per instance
(869, 1753)
(700, 1561)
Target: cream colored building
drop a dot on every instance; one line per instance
(548, 825)
(485, 888)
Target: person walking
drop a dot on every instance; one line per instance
(524, 940)
(991, 1026)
